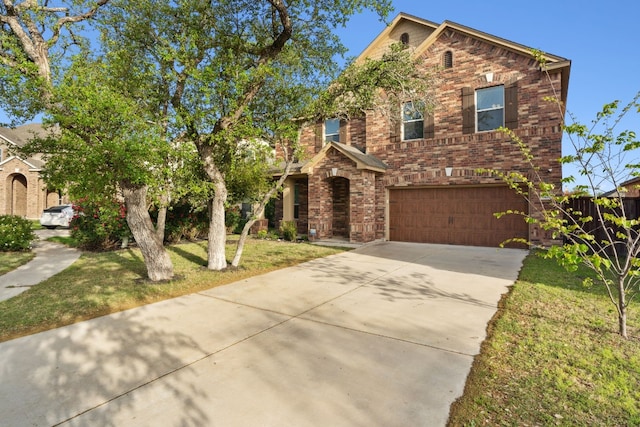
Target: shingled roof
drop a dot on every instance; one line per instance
(19, 136)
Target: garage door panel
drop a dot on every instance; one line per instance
(458, 215)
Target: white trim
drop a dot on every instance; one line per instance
(32, 167)
(402, 138)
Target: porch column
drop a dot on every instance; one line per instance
(287, 200)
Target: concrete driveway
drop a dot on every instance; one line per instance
(380, 336)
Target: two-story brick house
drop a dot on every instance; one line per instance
(416, 178)
(22, 190)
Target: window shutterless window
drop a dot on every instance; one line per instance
(489, 108)
(412, 120)
(332, 130)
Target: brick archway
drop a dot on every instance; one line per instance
(17, 195)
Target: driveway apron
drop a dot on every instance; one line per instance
(383, 335)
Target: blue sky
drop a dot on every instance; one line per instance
(601, 39)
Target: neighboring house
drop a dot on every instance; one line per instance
(415, 178)
(630, 189)
(22, 190)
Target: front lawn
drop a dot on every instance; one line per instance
(553, 357)
(12, 260)
(107, 282)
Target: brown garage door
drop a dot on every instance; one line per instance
(455, 215)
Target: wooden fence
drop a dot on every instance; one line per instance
(587, 208)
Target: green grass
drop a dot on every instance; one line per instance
(12, 260)
(553, 357)
(65, 240)
(107, 282)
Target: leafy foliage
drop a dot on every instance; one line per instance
(185, 222)
(15, 233)
(289, 230)
(99, 227)
(101, 136)
(35, 39)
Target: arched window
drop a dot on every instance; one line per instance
(404, 39)
(448, 59)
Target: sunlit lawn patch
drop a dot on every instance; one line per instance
(553, 357)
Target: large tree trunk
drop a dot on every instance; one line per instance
(216, 257)
(156, 258)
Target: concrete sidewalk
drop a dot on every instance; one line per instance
(380, 336)
(51, 258)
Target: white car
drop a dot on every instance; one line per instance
(57, 216)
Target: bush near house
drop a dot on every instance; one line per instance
(99, 227)
(289, 230)
(15, 233)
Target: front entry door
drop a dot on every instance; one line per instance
(340, 224)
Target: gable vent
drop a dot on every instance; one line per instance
(404, 38)
(448, 59)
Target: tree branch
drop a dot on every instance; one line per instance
(72, 19)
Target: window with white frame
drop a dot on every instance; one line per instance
(412, 120)
(332, 130)
(489, 108)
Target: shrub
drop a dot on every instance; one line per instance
(262, 234)
(233, 219)
(15, 233)
(99, 226)
(289, 230)
(183, 222)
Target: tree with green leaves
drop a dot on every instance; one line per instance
(222, 62)
(34, 37)
(604, 233)
(104, 144)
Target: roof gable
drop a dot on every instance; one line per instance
(423, 34)
(362, 160)
(32, 164)
(426, 32)
(18, 137)
(418, 29)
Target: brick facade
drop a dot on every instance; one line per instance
(22, 189)
(478, 62)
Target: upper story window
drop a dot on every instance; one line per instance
(332, 130)
(447, 60)
(404, 39)
(412, 120)
(489, 108)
